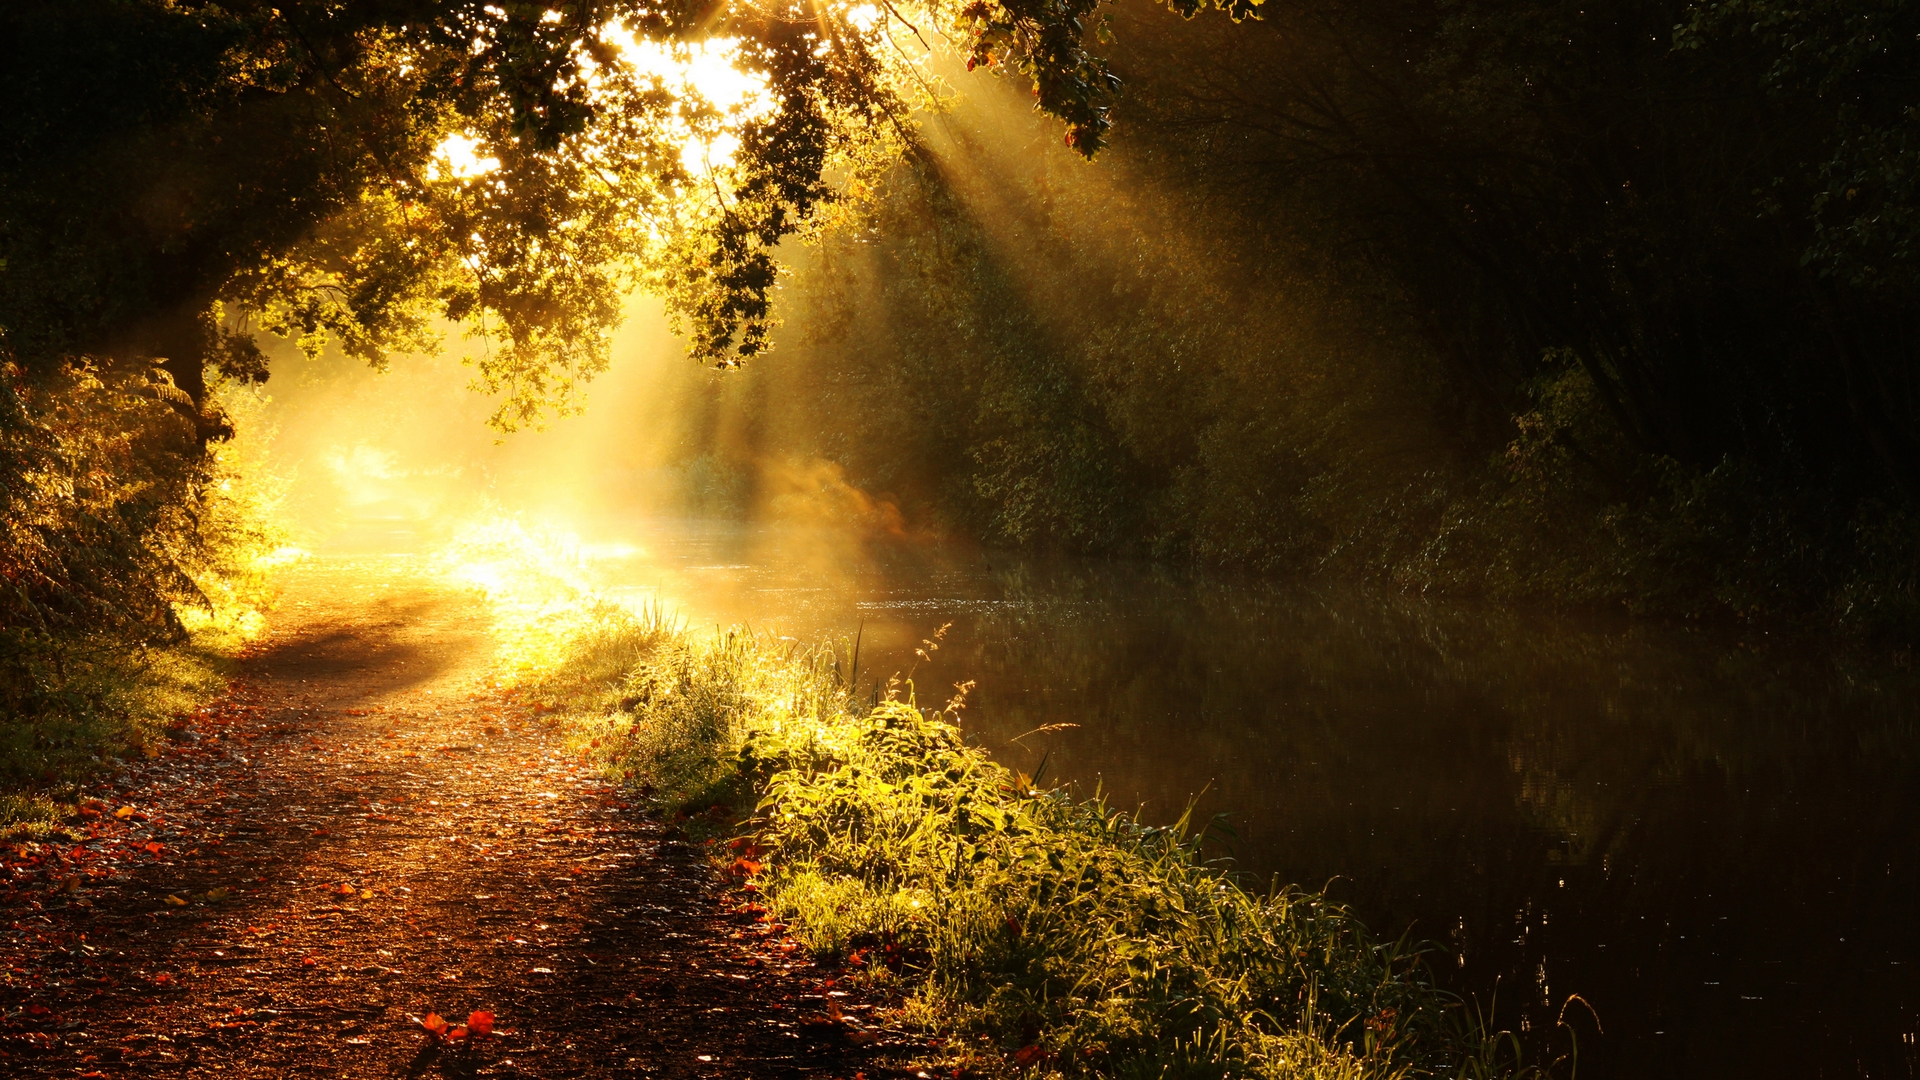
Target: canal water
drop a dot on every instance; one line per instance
(1711, 838)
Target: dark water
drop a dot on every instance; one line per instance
(1711, 838)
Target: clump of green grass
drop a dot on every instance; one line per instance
(1046, 921)
(1053, 932)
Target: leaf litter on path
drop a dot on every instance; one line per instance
(293, 879)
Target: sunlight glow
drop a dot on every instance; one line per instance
(531, 578)
(719, 96)
(538, 581)
(458, 158)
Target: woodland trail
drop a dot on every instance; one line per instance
(364, 830)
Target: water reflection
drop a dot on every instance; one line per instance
(1710, 838)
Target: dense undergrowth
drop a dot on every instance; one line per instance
(1035, 929)
(135, 562)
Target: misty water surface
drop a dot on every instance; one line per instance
(1710, 837)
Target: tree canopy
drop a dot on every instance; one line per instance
(178, 172)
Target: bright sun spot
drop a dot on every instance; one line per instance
(458, 158)
(706, 75)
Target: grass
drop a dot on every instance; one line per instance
(1039, 932)
(1028, 930)
(76, 705)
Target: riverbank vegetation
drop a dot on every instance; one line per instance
(1027, 928)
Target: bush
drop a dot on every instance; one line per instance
(132, 557)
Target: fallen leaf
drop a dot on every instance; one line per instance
(481, 1022)
(124, 812)
(174, 901)
(366, 894)
(153, 847)
(434, 1024)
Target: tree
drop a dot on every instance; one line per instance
(178, 172)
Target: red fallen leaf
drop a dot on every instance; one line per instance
(481, 1021)
(308, 961)
(153, 847)
(434, 1025)
(37, 1009)
(457, 1033)
(1028, 1055)
(744, 867)
(163, 979)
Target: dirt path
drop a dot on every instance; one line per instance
(365, 831)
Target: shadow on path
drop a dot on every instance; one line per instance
(363, 831)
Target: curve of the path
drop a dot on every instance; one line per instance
(365, 830)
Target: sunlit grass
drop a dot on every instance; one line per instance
(1053, 934)
(540, 589)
